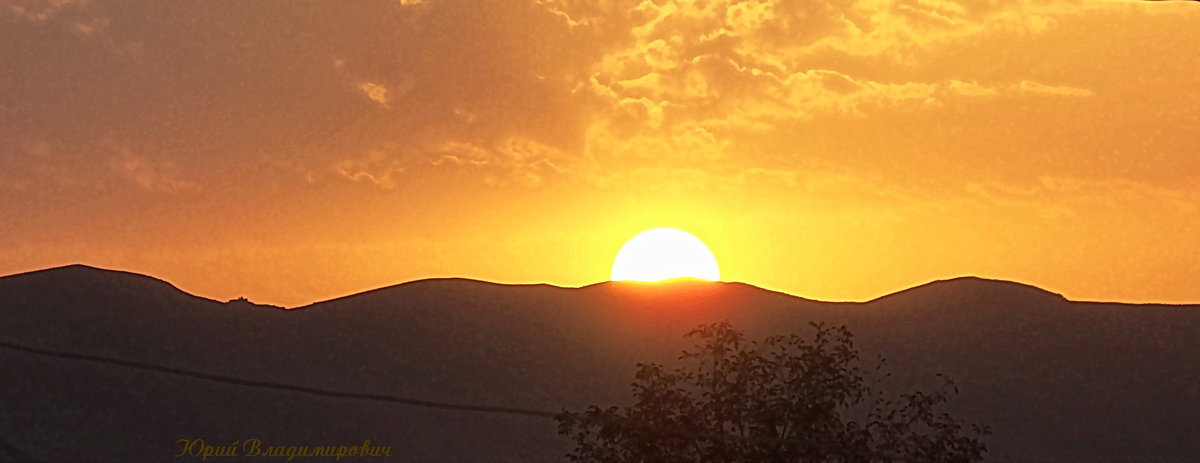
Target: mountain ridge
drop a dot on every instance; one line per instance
(961, 285)
(974, 286)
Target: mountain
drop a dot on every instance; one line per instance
(1057, 380)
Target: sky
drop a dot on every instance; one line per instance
(295, 151)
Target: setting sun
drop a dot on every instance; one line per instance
(664, 253)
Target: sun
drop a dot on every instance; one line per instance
(664, 253)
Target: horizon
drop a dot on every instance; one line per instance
(643, 284)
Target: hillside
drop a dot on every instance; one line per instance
(1058, 380)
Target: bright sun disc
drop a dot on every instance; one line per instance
(664, 253)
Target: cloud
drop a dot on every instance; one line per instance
(593, 87)
(379, 168)
(736, 68)
(682, 79)
(1029, 86)
(970, 89)
(1061, 197)
(79, 18)
(39, 10)
(151, 176)
(375, 92)
(149, 173)
(517, 161)
(54, 165)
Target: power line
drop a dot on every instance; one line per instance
(281, 386)
(15, 453)
(25, 456)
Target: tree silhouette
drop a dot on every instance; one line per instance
(785, 399)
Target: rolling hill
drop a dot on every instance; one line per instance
(1057, 380)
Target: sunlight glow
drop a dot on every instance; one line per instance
(664, 253)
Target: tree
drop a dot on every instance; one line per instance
(785, 399)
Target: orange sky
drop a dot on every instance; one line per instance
(830, 151)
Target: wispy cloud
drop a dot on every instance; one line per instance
(150, 175)
(375, 92)
(379, 168)
(1029, 86)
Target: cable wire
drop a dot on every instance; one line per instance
(14, 453)
(282, 386)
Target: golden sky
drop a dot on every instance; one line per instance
(301, 150)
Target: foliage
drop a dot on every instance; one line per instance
(785, 399)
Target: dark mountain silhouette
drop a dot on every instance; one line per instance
(1057, 380)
